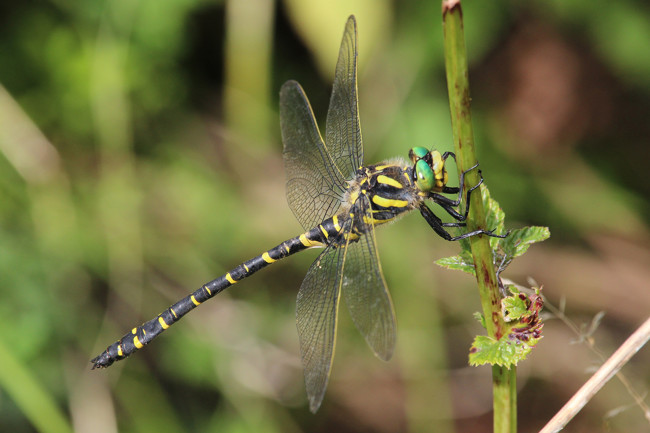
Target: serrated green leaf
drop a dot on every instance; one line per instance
(519, 240)
(462, 262)
(514, 307)
(522, 331)
(494, 215)
(511, 288)
(503, 352)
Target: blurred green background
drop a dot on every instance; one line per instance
(140, 157)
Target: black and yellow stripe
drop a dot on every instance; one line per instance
(142, 335)
(389, 193)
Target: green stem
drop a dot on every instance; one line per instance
(504, 392)
(504, 381)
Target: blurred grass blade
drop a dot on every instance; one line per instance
(23, 144)
(247, 87)
(33, 400)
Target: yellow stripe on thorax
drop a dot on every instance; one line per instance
(408, 179)
(389, 181)
(383, 221)
(387, 202)
(351, 236)
(378, 222)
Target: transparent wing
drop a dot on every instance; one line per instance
(316, 310)
(364, 288)
(315, 186)
(342, 130)
(353, 268)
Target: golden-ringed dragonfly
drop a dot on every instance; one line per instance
(338, 201)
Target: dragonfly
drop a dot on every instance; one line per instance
(339, 202)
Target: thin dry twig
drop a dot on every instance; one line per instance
(611, 367)
(585, 336)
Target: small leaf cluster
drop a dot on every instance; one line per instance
(522, 332)
(520, 311)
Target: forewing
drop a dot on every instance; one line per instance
(316, 311)
(342, 129)
(315, 186)
(364, 288)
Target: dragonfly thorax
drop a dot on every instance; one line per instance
(379, 194)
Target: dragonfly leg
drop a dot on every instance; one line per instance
(463, 217)
(454, 224)
(452, 189)
(435, 222)
(449, 206)
(439, 227)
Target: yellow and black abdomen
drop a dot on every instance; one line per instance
(385, 190)
(325, 233)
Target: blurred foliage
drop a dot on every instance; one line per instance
(140, 157)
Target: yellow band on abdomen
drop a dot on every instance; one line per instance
(335, 220)
(163, 323)
(305, 240)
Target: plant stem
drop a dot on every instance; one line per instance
(503, 379)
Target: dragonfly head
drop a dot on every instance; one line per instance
(429, 173)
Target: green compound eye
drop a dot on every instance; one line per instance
(425, 178)
(417, 153)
